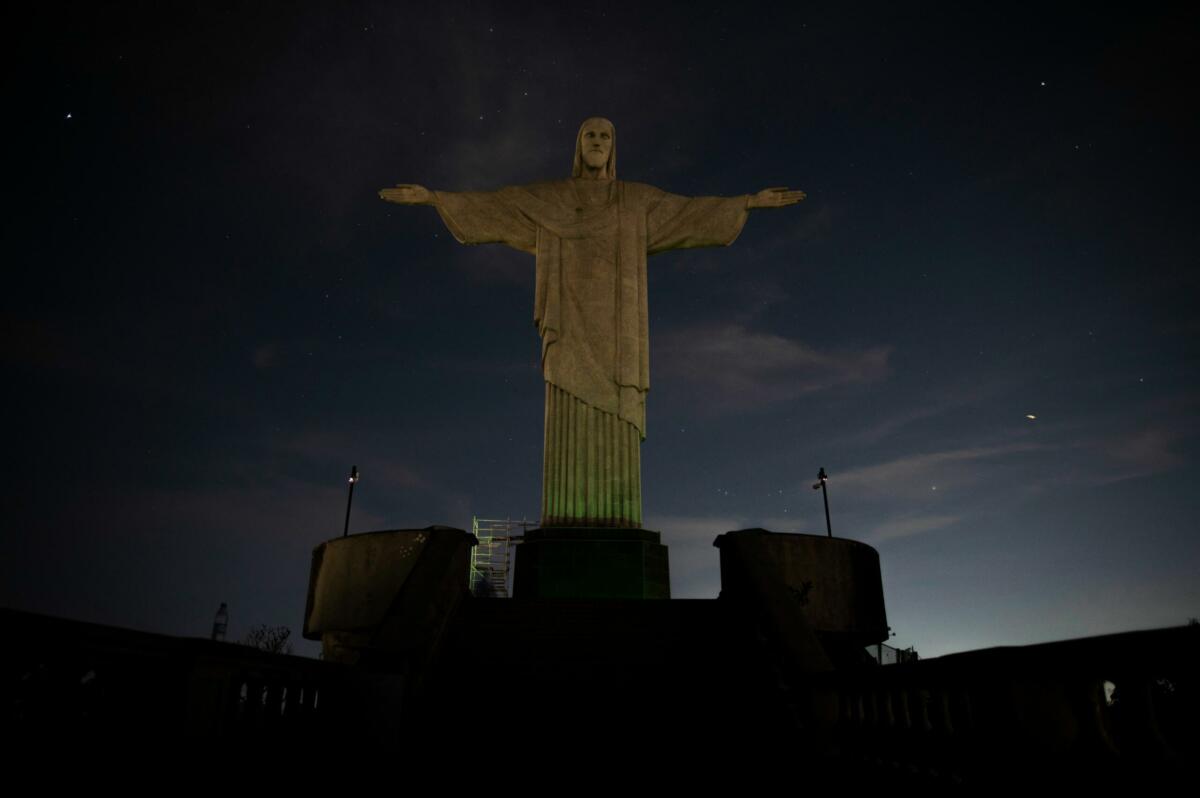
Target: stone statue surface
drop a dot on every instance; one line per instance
(591, 236)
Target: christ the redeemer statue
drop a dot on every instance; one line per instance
(591, 236)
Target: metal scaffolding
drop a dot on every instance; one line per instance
(490, 559)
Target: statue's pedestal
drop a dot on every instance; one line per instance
(591, 563)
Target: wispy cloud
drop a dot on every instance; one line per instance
(938, 401)
(730, 367)
(695, 562)
(1142, 453)
(385, 468)
(814, 223)
(909, 527)
(922, 473)
(690, 529)
(502, 155)
(1111, 459)
(281, 510)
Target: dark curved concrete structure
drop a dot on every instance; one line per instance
(836, 581)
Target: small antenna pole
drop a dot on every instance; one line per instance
(350, 499)
(822, 478)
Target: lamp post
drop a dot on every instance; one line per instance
(220, 622)
(822, 478)
(350, 499)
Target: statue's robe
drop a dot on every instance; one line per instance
(591, 239)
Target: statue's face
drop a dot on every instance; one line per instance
(596, 142)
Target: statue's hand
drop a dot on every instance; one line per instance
(775, 198)
(407, 194)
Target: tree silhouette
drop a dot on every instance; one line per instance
(272, 639)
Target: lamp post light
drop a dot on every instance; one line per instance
(822, 478)
(350, 499)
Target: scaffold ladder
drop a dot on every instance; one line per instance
(490, 559)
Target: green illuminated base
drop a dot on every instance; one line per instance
(591, 563)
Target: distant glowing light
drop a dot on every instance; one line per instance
(1030, 416)
(70, 116)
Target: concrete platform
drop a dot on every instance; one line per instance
(591, 563)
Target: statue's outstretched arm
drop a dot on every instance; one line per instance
(473, 217)
(776, 197)
(408, 194)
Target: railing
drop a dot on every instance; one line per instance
(883, 654)
(86, 683)
(1118, 709)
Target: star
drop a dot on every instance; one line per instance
(69, 115)
(1030, 416)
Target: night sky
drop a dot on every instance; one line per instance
(983, 322)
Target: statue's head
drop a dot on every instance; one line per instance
(596, 147)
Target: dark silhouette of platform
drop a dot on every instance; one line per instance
(678, 668)
(769, 678)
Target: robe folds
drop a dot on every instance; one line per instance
(590, 309)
